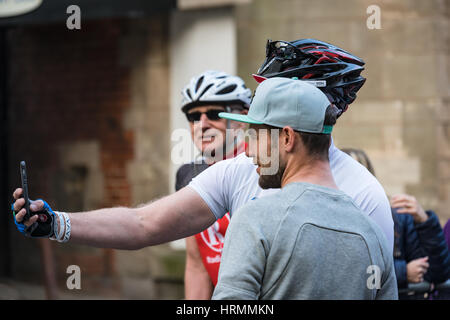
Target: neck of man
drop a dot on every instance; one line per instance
(309, 170)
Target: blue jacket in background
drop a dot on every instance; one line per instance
(413, 241)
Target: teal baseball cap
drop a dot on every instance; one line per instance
(281, 102)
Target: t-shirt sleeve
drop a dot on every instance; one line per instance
(243, 259)
(213, 186)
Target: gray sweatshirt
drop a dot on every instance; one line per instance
(305, 242)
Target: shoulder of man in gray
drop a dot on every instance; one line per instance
(305, 242)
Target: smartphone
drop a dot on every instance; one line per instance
(23, 175)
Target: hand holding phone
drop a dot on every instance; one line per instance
(23, 175)
(43, 227)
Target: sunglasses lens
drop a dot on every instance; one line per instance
(194, 116)
(213, 114)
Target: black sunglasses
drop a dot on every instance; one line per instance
(210, 114)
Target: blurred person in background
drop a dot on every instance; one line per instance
(206, 95)
(420, 248)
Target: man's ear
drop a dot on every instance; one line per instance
(288, 139)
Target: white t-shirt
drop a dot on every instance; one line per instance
(229, 184)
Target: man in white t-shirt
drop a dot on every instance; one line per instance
(230, 183)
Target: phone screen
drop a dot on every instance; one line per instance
(23, 175)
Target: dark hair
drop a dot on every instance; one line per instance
(318, 144)
(361, 157)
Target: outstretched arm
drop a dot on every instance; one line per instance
(176, 216)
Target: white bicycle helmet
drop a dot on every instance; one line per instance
(215, 87)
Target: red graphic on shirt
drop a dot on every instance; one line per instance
(210, 244)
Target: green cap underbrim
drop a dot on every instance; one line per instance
(245, 118)
(239, 117)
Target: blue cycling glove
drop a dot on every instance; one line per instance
(43, 227)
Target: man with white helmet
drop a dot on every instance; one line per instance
(207, 95)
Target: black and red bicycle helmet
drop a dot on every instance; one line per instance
(333, 70)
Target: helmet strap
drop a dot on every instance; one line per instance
(228, 109)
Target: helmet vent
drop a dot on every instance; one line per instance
(199, 83)
(227, 89)
(189, 93)
(206, 89)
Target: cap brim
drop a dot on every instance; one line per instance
(238, 117)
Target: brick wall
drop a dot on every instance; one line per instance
(68, 86)
(71, 97)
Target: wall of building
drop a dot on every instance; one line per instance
(89, 113)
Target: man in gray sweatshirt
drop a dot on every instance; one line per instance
(309, 240)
